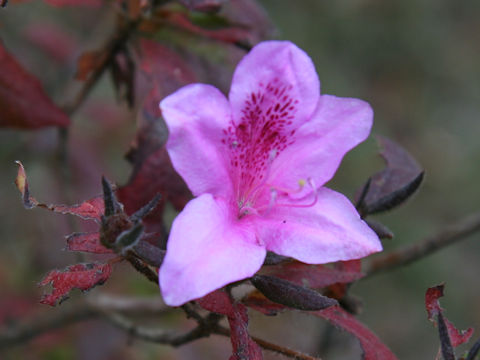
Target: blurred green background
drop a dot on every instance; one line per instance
(417, 62)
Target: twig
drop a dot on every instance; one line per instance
(220, 330)
(410, 253)
(113, 44)
(155, 335)
(24, 333)
(93, 307)
(127, 304)
(141, 267)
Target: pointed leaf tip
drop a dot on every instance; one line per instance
(22, 185)
(112, 206)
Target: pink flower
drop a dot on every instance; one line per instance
(256, 163)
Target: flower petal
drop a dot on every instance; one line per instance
(196, 116)
(337, 126)
(276, 65)
(331, 230)
(207, 249)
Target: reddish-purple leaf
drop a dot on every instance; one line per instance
(432, 305)
(90, 209)
(394, 184)
(23, 102)
(86, 242)
(314, 276)
(243, 346)
(80, 276)
(372, 346)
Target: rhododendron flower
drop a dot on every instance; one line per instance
(257, 163)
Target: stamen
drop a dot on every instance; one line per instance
(315, 198)
(301, 184)
(274, 196)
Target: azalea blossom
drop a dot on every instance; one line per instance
(257, 163)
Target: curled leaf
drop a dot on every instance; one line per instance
(291, 295)
(90, 209)
(80, 276)
(393, 185)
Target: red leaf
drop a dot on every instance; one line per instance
(373, 348)
(314, 276)
(90, 209)
(23, 102)
(86, 242)
(432, 305)
(80, 276)
(431, 300)
(243, 346)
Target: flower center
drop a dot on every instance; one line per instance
(265, 128)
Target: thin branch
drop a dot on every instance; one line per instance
(153, 334)
(220, 330)
(141, 267)
(114, 43)
(131, 305)
(23, 333)
(451, 234)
